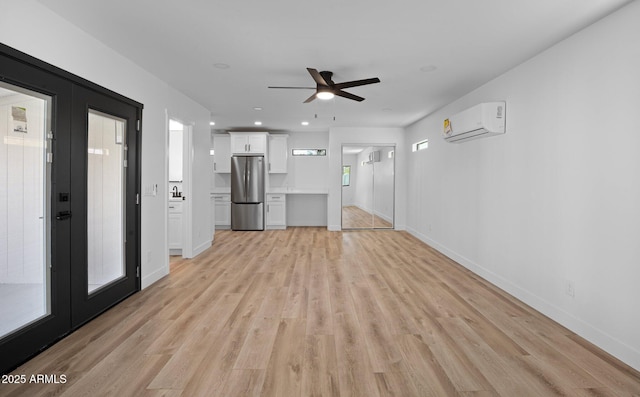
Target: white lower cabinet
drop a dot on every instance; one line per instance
(222, 210)
(175, 225)
(276, 211)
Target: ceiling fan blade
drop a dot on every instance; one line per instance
(311, 98)
(347, 95)
(295, 88)
(317, 77)
(356, 83)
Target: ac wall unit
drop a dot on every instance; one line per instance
(482, 120)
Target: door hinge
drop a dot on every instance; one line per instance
(138, 271)
(138, 125)
(51, 138)
(137, 198)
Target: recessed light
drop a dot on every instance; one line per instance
(305, 123)
(428, 68)
(257, 108)
(212, 123)
(257, 122)
(221, 66)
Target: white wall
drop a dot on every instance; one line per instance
(363, 197)
(60, 43)
(359, 136)
(304, 172)
(22, 231)
(383, 183)
(554, 202)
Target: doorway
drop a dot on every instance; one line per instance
(69, 215)
(368, 185)
(179, 195)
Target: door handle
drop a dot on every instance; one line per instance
(62, 215)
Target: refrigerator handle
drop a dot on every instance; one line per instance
(247, 175)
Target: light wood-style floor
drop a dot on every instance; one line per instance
(356, 218)
(308, 312)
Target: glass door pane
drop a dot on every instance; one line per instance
(105, 200)
(383, 187)
(25, 279)
(357, 189)
(368, 191)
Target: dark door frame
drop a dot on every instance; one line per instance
(20, 69)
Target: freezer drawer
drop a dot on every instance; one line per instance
(247, 216)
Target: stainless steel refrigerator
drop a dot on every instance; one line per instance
(247, 193)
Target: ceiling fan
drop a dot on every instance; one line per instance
(327, 89)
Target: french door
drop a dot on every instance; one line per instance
(104, 265)
(69, 214)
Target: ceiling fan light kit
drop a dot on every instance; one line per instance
(324, 95)
(327, 89)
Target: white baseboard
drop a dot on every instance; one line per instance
(201, 248)
(613, 346)
(153, 277)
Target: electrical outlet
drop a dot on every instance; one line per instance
(569, 289)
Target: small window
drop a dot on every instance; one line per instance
(346, 175)
(420, 145)
(309, 152)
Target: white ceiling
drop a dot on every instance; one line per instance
(270, 43)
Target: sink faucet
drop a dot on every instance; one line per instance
(175, 191)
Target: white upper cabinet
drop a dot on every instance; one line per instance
(278, 154)
(222, 153)
(175, 156)
(248, 142)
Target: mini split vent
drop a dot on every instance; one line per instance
(483, 120)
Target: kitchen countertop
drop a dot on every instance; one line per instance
(278, 190)
(295, 190)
